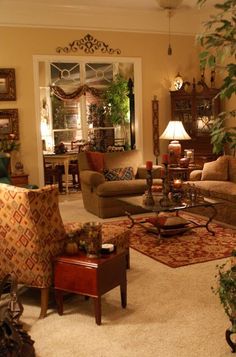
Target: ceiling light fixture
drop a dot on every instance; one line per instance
(169, 5)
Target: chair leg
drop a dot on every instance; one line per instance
(44, 302)
(127, 259)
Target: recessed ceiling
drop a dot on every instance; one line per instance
(112, 15)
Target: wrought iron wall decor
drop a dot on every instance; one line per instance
(7, 84)
(155, 127)
(88, 44)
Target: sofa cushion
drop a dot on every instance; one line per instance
(224, 190)
(95, 160)
(216, 170)
(131, 158)
(232, 169)
(122, 188)
(119, 174)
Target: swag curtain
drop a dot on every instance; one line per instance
(82, 90)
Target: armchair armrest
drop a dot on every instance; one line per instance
(142, 171)
(195, 175)
(91, 178)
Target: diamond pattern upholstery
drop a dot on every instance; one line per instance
(32, 233)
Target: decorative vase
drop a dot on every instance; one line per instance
(93, 238)
(71, 246)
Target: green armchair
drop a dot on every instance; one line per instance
(4, 168)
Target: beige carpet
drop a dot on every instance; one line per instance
(170, 313)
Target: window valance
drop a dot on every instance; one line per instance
(82, 90)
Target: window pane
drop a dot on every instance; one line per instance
(65, 74)
(98, 74)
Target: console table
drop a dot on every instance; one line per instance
(90, 277)
(61, 159)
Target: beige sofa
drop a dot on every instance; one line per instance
(218, 180)
(100, 196)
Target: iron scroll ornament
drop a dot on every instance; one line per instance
(88, 44)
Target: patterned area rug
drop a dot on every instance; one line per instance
(194, 246)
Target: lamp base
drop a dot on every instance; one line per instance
(174, 149)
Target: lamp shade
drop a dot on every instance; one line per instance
(175, 131)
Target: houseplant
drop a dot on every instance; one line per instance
(219, 50)
(113, 106)
(226, 290)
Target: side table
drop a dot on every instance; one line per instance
(182, 172)
(19, 180)
(90, 277)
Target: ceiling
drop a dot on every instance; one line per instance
(115, 15)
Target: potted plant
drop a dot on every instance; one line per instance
(219, 50)
(226, 290)
(112, 109)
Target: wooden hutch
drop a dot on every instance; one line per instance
(195, 105)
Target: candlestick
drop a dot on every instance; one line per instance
(149, 200)
(165, 201)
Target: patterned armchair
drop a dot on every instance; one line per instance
(32, 233)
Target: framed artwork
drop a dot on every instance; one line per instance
(7, 84)
(9, 123)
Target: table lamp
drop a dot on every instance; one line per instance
(175, 131)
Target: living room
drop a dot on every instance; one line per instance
(164, 304)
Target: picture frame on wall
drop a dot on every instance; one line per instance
(7, 84)
(9, 123)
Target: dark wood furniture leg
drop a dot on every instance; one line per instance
(44, 302)
(98, 310)
(123, 294)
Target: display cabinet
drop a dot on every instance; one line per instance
(195, 104)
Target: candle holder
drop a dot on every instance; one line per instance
(165, 201)
(149, 200)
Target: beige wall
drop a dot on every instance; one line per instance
(18, 45)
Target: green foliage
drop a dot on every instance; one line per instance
(97, 114)
(116, 101)
(8, 145)
(226, 290)
(219, 43)
(222, 136)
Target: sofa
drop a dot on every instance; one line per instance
(32, 233)
(105, 177)
(217, 180)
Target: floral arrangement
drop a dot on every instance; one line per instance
(8, 143)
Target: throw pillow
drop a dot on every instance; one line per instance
(119, 174)
(216, 170)
(95, 160)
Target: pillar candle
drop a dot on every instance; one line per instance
(165, 158)
(149, 165)
(177, 183)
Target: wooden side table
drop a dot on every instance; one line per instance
(182, 172)
(19, 180)
(90, 277)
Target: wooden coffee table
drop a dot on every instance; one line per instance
(90, 277)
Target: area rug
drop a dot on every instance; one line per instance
(194, 246)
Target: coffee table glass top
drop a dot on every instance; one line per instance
(174, 206)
